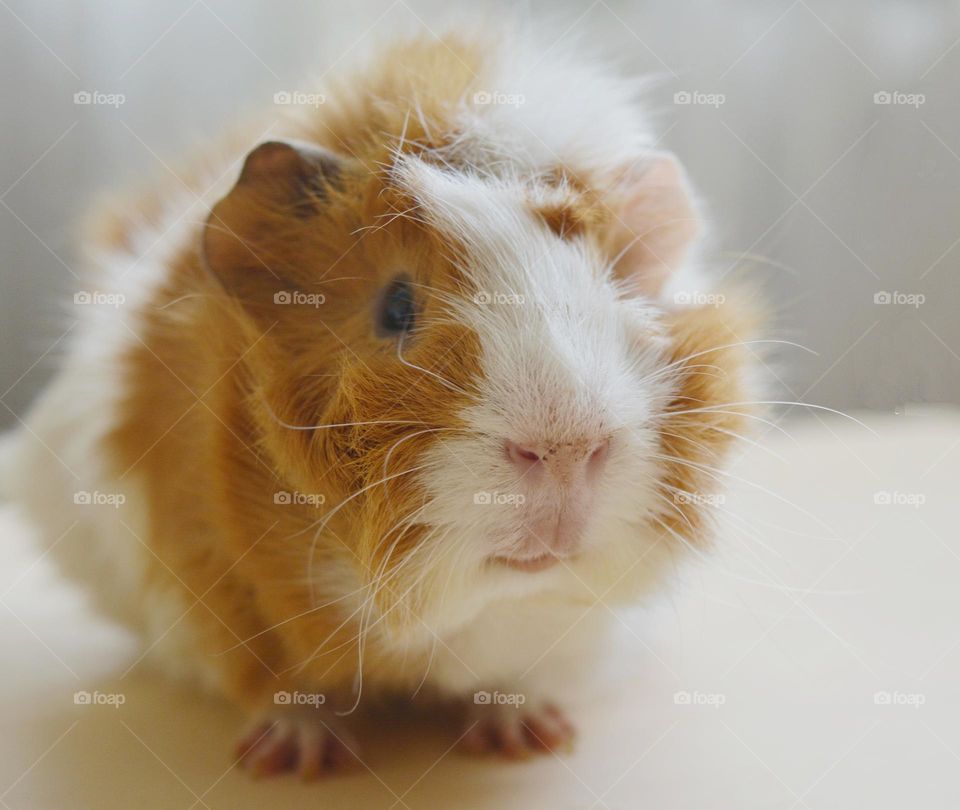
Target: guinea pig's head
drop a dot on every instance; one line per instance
(479, 373)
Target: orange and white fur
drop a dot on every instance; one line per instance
(394, 396)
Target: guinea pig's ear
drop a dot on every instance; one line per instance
(655, 222)
(281, 182)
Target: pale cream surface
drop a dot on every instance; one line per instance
(812, 661)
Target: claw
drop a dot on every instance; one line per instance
(517, 732)
(308, 743)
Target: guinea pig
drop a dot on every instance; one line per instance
(387, 397)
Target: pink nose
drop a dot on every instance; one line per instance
(567, 462)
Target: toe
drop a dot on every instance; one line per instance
(474, 740)
(510, 740)
(518, 735)
(560, 719)
(307, 746)
(310, 755)
(276, 753)
(341, 756)
(251, 739)
(545, 733)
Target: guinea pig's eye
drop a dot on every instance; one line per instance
(397, 310)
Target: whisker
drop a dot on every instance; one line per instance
(670, 417)
(401, 440)
(674, 506)
(748, 580)
(713, 472)
(329, 515)
(289, 426)
(709, 408)
(681, 361)
(436, 376)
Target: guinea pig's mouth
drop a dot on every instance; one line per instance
(528, 564)
(552, 539)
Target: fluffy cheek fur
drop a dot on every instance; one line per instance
(708, 414)
(389, 415)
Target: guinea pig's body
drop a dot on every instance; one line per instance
(400, 411)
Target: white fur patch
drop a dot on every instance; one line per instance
(535, 108)
(564, 354)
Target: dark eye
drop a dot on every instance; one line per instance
(397, 308)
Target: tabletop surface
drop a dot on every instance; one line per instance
(810, 661)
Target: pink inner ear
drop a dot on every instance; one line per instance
(656, 223)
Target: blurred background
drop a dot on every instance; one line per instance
(823, 138)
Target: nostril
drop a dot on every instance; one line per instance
(521, 455)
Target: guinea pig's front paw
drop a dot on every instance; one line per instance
(516, 731)
(309, 741)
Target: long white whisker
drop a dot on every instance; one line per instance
(709, 408)
(329, 515)
(436, 376)
(748, 580)
(713, 472)
(290, 426)
(695, 355)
